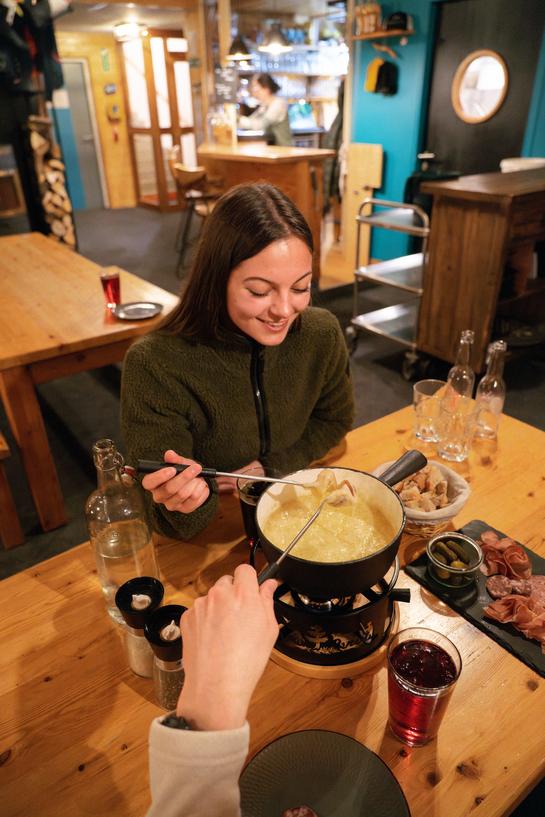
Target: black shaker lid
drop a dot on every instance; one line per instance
(140, 584)
(164, 650)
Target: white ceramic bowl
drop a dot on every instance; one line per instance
(427, 523)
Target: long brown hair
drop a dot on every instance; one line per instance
(244, 221)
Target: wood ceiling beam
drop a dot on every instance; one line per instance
(183, 5)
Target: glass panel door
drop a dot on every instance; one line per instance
(160, 112)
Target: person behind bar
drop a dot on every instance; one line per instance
(243, 373)
(196, 753)
(272, 114)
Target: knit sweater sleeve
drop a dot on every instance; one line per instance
(154, 418)
(333, 413)
(195, 774)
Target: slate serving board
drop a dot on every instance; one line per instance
(471, 601)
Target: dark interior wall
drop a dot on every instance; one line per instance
(14, 112)
(515, 31)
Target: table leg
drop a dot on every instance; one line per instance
(27, 425)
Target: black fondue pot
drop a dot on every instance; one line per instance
(324, 580)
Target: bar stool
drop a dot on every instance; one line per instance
(196, 196)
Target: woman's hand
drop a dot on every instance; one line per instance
(184, 492)
(227, 637)
(228, 485)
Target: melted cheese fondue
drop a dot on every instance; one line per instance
(340, 534)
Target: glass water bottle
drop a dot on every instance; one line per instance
(117, 525)
(491, 393)
(461, 377)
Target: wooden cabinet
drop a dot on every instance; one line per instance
(483, 232)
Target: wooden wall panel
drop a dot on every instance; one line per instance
(104, 69)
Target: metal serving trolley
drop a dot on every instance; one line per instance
(400, 321)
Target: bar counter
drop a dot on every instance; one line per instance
(296, 171)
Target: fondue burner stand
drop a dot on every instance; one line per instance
(339, 637)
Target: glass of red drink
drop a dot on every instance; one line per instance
(111, 288)
(249, 493)
(423, 667)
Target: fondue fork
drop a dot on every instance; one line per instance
(340, 496)
(150, 466)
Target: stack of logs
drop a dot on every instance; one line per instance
(51, 179)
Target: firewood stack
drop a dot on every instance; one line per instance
(52, 182)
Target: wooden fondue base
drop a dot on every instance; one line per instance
(338, 670)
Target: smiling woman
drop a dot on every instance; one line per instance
(244, 373)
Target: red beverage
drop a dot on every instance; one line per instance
(421, 677)
(249, 494)
(110, 286)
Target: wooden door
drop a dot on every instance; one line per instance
(158, 98)
(512, 29)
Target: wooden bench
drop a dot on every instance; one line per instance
(11, 533)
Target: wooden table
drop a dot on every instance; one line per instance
(296, 171)
(481, 226)
(54, 323)
(75, 720)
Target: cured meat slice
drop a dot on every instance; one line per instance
(493, 561)
(525, 613)
(299, 811)
(500, 586)
(538, 588)
(517, 561)
(490, 537)
(509, 560)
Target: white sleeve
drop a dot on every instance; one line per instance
(195, 774)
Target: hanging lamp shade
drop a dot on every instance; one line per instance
(239, 50)
(275, 42)
(129, 30)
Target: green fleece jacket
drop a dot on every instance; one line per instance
(225, 405)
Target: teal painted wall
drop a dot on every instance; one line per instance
(397, 122)
(534, 139)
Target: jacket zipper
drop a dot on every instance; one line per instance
(256, 375)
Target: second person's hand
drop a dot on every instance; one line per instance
(183, 492)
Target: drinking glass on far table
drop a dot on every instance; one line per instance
(426, 401)
(111, 288)
(423, 667)
(457, 421)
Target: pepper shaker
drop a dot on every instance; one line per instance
(136, 599)
(163, 633)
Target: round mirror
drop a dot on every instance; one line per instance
(479, 86)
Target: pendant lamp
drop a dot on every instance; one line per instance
(239, 50)
(275, 42)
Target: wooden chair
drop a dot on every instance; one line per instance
(197, 195)
(11, 533)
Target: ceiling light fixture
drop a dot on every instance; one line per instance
(275, 42)
(239, 50)
(123, 32)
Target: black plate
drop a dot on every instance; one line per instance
(471, 601)
(332, 773)
(137, 310)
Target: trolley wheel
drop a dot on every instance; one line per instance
(415, 367)
(351, 337)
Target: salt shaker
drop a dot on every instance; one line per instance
(136, 599)
(163, 633)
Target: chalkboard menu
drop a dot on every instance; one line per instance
(225, 82)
